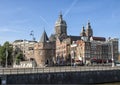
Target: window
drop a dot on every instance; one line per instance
(31, 48)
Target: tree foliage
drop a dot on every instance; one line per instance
(19, 57)
(6, 46)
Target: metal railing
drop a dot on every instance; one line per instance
(4, 71)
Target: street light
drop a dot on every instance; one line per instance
(24, 48)
(32, 34)
(113, 64)
(6, 52)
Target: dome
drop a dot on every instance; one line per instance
(88, 26)
(83, 32)
(89, 31)
(60, 21)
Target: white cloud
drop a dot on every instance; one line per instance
(18, 21)
(9, 30)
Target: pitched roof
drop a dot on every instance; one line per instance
(52, 37)
(74, 38)
(98, 38)
(44, 37)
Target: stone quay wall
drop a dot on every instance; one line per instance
(83, 77)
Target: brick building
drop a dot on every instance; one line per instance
(44, 51)
(26, 47)
(97, 48)
(60, 48)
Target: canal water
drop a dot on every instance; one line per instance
(114, 83)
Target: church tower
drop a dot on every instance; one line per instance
(89, 31)
(60, 27)
(83, 32)
(44, 51)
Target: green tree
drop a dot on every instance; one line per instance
(6, 46)
(2, 55)
(19, 57)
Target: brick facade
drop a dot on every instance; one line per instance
(44, 53)
(58, 47)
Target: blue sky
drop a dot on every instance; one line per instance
(19, 17)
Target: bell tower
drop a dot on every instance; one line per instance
(89, 31)
(60, 27)
(83, 32)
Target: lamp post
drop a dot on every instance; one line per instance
(6, 52)
(113, 64)
(23, 48)
(13, 54)
(32, 34)
(33, 62)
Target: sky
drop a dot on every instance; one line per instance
(19, 17)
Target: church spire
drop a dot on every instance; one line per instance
(60, 16)
(89, 31)
(83, 29)
(88, 25)
(60, 26)
(83, 32)
(44, 37)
